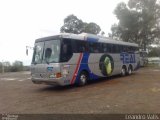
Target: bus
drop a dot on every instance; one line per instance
(143, 58)
(67, 59)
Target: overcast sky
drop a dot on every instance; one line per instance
(23, 21)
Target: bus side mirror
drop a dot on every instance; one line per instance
(28, 47)
(27, 51)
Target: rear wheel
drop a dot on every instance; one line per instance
(123, 71)
(129, 70)
(83, 77)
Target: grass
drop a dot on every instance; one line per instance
(153, 65)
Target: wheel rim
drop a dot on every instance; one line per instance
(123, 71)
(83, 78)
(129, 71)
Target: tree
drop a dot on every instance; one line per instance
(74, 25)
(92, 28)
(138, 22)
(5, 66)
(1, 67)
(154, 52)
(17, 66)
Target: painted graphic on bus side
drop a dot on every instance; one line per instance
(106, 65)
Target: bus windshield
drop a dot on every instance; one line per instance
(46, 52)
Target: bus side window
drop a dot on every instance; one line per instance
(93, 47)
(113, 48)
(90, 46)
(100, 46)
(109, 47)
(66, 50)
(120, 48)
(105, 48)
(82, 46)
(125, 48)
(79, 46)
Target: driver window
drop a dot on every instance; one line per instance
(48, 53)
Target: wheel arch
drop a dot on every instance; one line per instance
(86, 71)
(124, 66)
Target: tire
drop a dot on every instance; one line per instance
(129, 70)
(83, 78)
(123, 71)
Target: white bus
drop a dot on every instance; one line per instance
(67, 59)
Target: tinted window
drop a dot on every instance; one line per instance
(79, 46)
(109, 47)
(94, 47)
(66, 50)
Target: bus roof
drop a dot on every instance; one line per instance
(87, 37)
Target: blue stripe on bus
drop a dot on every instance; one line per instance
(84, 66)
(92, 39)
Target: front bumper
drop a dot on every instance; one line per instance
(55, 81)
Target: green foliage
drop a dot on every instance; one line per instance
(15, 67)
(138, 22)
(74, 25)
(154, 52)
(92, 28)
(0, 67)
(6, 65)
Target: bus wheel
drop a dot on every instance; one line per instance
(83, 78)
(123, 71)
(129, 70)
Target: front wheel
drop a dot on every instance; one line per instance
(83, 77)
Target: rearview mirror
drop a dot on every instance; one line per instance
(27, 48)
(27, 51)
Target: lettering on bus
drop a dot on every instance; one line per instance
(127, 58)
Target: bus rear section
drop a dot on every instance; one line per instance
(143, 58)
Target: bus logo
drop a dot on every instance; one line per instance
(49, 69)
(127, 58)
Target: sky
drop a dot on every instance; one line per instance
(23, 21)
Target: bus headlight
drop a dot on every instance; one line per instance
(56, 75)
(52, 76)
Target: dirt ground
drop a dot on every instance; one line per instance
(138, 93)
